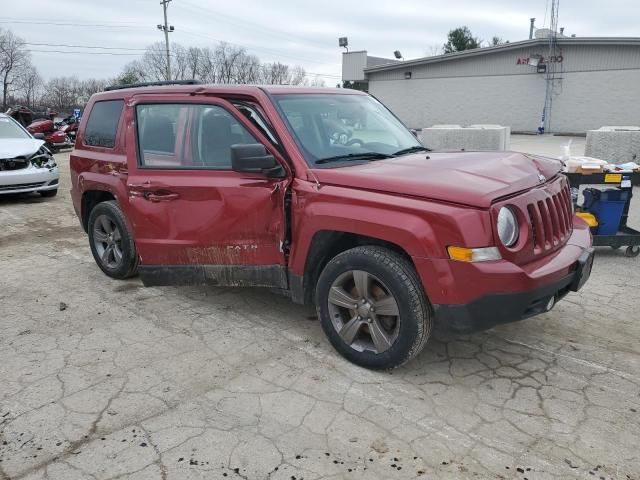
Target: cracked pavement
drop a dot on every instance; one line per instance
(105, 379)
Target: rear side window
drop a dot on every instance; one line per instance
(103, 124)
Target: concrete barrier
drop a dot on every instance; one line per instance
(472, 137)
(615, 144)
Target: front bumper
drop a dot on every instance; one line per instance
(491, 310)
(30, 179)
(475, 296)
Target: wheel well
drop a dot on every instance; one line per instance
(90, 199)
(326, 245)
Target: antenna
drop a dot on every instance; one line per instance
(531, 27)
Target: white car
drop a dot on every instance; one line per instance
(26, 165)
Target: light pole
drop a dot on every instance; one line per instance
(166, 29)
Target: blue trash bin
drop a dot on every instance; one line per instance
(607, 206)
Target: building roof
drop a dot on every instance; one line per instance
(536, 42)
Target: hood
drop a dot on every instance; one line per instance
(19, 147)
(470, 178)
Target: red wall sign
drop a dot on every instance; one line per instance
(554, 59)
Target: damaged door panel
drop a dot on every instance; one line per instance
(195, 220)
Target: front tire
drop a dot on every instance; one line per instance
(111, 242)
(372, 307)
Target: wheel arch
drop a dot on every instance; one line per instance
(90, 199)
(325, 245)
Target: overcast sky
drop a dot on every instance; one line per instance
(293, 32)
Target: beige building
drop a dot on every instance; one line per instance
(596, 82)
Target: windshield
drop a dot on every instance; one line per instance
(10, 129)
(342, 127)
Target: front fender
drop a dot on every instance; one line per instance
(422, 228)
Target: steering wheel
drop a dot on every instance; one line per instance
(353, 141)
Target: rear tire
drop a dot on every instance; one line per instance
(49, 193)
(360, 331)
(632, 251)
(111, 242)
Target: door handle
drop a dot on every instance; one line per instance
(161, 197)
(145, 184)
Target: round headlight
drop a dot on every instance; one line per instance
(507, 227)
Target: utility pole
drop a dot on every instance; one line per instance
(166, 29)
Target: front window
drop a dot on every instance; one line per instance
(336, 128)
(188, 136)
(10, 129)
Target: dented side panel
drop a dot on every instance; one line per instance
(203, 217)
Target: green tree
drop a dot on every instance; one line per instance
(461, 39)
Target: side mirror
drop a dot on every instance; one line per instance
(253, 158)
(414, 132)
(38, 136)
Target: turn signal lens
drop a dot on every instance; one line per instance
(462, 254)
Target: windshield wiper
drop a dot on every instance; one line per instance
(414, 149)
(355, 156)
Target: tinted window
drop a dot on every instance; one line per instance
(188, 136)
(103, 124)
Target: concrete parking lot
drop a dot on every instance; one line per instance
(104, 379)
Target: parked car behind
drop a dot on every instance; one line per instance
(26, 165)
(324, 194)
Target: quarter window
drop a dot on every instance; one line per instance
(183, 136)
(103, 124)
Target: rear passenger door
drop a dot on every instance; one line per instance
(194, 219)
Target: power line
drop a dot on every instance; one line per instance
(272, 52)
(240, 21)
(142, 50)
(113, 25)
(83, 53)
(82, 46)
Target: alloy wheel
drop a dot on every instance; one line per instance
(364, 312)
(107, 240)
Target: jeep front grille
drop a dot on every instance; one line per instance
(551, 220)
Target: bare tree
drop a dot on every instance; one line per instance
(62, 92)
(275, 73)
(317, 82)
(208, 66)
(193, 59)
(433, 50)
(31, 86)
(297, 76)
(225, 63)
(88, 88)
(179, 62)
(248, 69)
(133, 72)
(228, 57)
(14, 58)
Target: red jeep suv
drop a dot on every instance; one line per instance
(326, 195)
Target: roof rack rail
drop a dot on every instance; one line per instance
(153, 84)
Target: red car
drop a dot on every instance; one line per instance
(324, 194)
